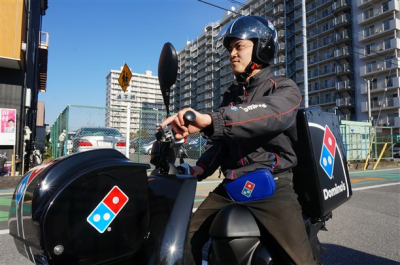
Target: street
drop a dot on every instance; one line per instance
(364, 230)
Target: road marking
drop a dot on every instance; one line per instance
(366, 179)
(368, 171)
(376, 186)
(5, 231)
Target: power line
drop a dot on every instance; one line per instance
(219, 7)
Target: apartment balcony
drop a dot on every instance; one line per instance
(345, 102)
(387, 121)
(380, 49)
(340, 5)
(342, 20)
(380, 67)
(280, 59)
(344, 85)
(378, 31)
(278, 10)
(381, 86)
(377, 13)
(365, 3)
(383, 104)
(43, 59)
(345, 68)
(347, 117)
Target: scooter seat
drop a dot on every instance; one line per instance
(234, 221)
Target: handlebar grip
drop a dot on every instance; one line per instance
(188, 117)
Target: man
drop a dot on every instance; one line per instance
(11, 126)
(253, 129)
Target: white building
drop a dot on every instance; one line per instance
(145, 98)
(351, 46)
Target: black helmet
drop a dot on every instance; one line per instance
(258, 29)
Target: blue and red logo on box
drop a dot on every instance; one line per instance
(20, 191)
(328, 152)
(248, 188)
(106, 211)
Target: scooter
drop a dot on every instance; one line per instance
(98, 207)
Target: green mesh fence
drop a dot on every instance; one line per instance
(81, 128)
(356, 136)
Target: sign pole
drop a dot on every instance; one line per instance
(124, 80)
(128, 123)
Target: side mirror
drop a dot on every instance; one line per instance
(167, 71)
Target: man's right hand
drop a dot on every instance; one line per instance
(178, 124)
(197, 171)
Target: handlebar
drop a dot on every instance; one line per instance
(166, 148)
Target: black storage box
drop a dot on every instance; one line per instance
(87, 208)
(321, 178)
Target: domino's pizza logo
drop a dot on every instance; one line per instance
(21, 189)
(248, 189)
(328, 152)
(103, 215)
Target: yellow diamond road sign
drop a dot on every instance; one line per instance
(125, 77)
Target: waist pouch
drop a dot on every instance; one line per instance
(256, 185)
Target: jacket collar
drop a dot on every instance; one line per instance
(259, 78)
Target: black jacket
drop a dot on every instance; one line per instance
(254, 127)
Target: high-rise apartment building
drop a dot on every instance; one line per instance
(352, 52)
(145, 95)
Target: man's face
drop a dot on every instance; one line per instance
(240, 54)
(10, 124)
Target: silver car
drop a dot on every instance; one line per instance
(90, 138)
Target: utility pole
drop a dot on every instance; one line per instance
(305, 64)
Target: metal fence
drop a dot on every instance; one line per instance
(80, 128)
(70, 134)
(361, 139)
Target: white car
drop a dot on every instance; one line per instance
(90, 138)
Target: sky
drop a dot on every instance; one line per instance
(89, 38)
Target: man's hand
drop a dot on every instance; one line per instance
(178, 124)
(197, 171)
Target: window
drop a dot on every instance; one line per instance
(371, 66)
(325, 12)
(385, 6)
(370, 48)
(368, 13)
(386, 24)
(328, 83)
(387, 43)
(328, 97)
(374, 84)
(388, 61)
(389, 80)
(369, 31)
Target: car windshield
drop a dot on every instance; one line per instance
(100, 132)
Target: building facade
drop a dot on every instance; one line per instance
(23, 70)
(352, 51)
(145, 98)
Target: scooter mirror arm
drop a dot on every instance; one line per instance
(166, 140)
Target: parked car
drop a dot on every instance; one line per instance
(396, 150)
(195, 146)
(135, 143)
(90, 138)
(146, 149)
(71, 135)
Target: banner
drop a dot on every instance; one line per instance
(8, 125)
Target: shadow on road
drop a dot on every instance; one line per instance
(339, 255)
